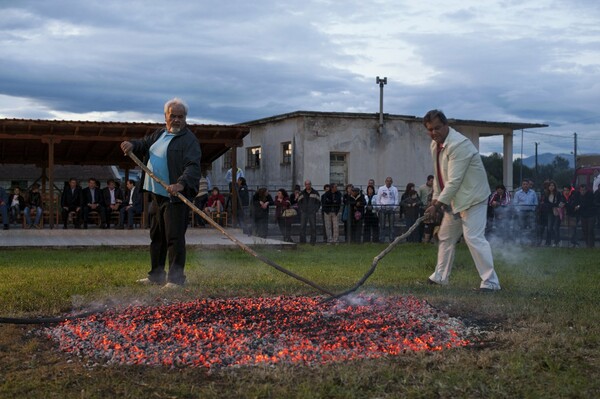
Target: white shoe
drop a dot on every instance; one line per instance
(171, 286)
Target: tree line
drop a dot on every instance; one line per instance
(558, 170)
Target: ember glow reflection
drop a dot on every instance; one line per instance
(218, 333)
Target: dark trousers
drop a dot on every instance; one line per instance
(310, 218)
(128, 214)
(587, 227)
(65, 215)
(285, 227)
(167, 236)
(99, 209)
(371, 228)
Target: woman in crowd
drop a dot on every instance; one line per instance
(356, 203)
(499, 213)
(552, 203)
(260, 203)
(371, 221)
(216, 202)
(284, 213)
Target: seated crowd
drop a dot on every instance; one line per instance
(76, 205)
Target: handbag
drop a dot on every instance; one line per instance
(556, 211)
(289, 213)
(357, 215)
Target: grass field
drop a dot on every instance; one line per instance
(541, 340)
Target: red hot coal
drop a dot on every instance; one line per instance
(220, 333)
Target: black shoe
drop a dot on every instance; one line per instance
(85, 226)
(65, 226)
(5, 227)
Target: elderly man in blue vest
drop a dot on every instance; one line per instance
(461, 189)
(172, 153)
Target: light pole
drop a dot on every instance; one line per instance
(381, 83)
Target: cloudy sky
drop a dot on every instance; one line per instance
(234, 61)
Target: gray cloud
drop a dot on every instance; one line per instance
(235, 61)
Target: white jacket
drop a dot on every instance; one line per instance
(463, 173)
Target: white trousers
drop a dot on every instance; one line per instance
(332, 226)
(471, 224)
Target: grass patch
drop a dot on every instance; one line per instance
(541, 340)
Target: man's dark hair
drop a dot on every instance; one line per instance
(429, 177)
(131, 181)
(433, 114)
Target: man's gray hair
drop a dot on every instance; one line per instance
(176, 101)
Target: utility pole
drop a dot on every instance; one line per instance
(536, 161)
(381, 83)
(575, 151)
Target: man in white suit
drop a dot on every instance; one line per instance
(461, 189)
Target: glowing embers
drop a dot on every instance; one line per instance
(217, 333)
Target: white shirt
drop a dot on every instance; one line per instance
(387, 196)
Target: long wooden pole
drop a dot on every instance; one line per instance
(214, 224)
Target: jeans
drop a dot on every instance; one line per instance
(38, 215)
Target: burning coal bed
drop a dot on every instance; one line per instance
(220, 333)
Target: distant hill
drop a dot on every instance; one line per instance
(546, 159)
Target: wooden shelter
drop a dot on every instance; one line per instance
(47, 143)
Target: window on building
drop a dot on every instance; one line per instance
(227, 159)
(286, 153)
(253, 156)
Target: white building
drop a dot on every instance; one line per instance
(324, 147)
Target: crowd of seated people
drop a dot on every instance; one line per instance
(76, 206)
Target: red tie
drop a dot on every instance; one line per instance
(439, 172)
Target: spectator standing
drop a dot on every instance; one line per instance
(551, 209)
(371, 221)
(173, 154)
(499, 213)
(587, 213)
(243, 203)
(331, 203)
(460, 188)
(346, 214)
(283, 204)
(309, 203)
(411, 207)
(387, 197)
(326, 189)
(34, 202)
(356, 203)
(572, 204)
(261, 202)
(70, 201)
(525, 202)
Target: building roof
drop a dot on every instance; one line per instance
(25, 141)
(487, 125)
